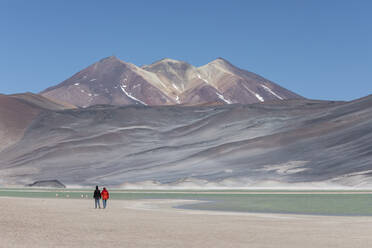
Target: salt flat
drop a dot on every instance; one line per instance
(32, 222)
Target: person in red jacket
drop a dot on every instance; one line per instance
(105, 196)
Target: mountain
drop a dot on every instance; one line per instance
(296, 142)
(165, 82)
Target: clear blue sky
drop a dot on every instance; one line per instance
(319, 49)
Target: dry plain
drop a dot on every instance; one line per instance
(33, 222)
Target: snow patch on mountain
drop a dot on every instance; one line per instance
(205, 80)
(271, 92)
(130, 96)
(175, 86)
(223, 98)
(260, 98)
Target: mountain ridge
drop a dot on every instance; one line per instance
(165, 82)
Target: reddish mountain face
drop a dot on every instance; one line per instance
(165, 82)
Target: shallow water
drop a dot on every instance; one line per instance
(332, 203)
(318, 204)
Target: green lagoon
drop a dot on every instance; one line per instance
(286, 202)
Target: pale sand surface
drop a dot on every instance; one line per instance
(30, 222)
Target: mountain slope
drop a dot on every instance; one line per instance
(18, 111)
(290, 142)
(109, 81)
(165, 82)
(242, 86)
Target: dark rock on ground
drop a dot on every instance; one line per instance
(47, 184)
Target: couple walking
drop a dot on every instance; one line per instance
(98, 195)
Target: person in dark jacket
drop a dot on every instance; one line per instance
(97, 197)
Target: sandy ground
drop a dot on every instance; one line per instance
(153, 223)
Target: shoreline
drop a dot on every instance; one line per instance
(194, 191)
(186, 206)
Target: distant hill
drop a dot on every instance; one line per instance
(18, 111)
(298, 142)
